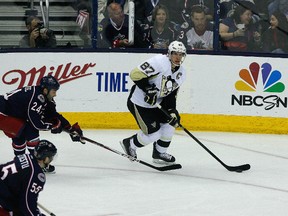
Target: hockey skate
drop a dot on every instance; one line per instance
(127, 148)
(162, 158)
(50, 169)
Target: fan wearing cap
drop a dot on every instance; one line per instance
(22, 179)
(26, 111)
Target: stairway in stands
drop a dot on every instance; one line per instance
(62, 16)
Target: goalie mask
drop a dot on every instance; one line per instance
(177, 47)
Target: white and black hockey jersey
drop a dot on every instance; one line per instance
(158, 70)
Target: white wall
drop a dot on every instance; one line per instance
(209, 87)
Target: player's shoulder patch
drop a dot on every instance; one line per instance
(41, 98)
(42, 177)
(178, 76)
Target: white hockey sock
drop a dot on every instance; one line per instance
(161, 149)
(132, 145)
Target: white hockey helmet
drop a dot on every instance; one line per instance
(177, 46)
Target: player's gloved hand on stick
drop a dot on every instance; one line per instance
(56, 126)
(151, 95)
(76, 133)
(175, 118)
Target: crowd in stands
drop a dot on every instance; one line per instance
(244, 25)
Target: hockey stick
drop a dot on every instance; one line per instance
(163, 168)
(45, 209)
(239, 168)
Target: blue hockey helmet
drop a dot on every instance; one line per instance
(49, 82)
(45, 149)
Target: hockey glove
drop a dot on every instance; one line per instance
(76, 133)
(175, 118)
(151, 95)
(56, 126)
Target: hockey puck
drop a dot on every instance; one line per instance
(239, 171)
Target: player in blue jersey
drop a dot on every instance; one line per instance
(22, 179)
(26, 111)
(157, 81)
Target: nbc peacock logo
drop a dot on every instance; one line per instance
(261, 79)
(250, 78)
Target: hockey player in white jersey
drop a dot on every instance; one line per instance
(157, 81)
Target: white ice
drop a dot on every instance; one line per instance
(93, 181)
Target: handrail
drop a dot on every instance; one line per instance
(131, 21)
(45, 12)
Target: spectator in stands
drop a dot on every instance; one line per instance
(179, 19)
(103, 4)
(176, 10)
(113, 30)
(144, 10)
(227, 8)
(180, 10)
(161, 34)
(275, 39)
(179, 13)
(199, 37)
(238, 33)
(143, 13)
(38, 36)
(124, 4)
(207, 5)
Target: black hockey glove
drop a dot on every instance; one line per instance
(56, 126)
(76, 133)
(175, 118)
(151, 95)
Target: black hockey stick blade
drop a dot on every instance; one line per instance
(239, 169)
(161, 168)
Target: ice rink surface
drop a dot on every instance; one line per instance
(92, 181)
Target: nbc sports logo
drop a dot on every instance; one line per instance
(250, 78)
(260, 79)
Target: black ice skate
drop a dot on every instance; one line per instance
(127, 148)
(162, 158)
(50, 169)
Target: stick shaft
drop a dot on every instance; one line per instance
(230, 168)
(163, 168)
(45, 209)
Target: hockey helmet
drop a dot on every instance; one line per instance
(177, 46)
(49, 82)
(45, 149)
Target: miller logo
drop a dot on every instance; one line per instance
(63, 73)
